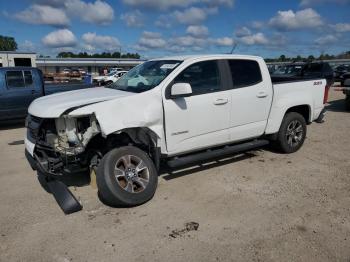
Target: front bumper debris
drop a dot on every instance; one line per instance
(63, 196)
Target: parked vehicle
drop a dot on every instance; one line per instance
(339, 71)
(345, 79)
(308, 71)
(115, 69)
(182, 110)
(113, 77)
(19, 86)
(293, 69)
(66, 71)
(345, 83)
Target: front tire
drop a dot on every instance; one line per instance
(292, 133)
(126, 176)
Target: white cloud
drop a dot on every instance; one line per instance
(133, 19)
(243, 31)
(188, 41)
(254, 39)
(168, 4)
(257, 25)
(193, 15)
(43, 15)
(288, 20)
(98, 12)
(223, 41)
(27, 46)
(326, 40)
(317, 2)
(57, 13)
(163, 21)
(150, 40)
(197, 30)
(100, 42)
(60, 38)
(341, 27)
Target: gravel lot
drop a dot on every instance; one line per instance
(259, 206)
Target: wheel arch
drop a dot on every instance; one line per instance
(141, 137)
(275, 121)
(304, 110)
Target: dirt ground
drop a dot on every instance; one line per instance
(258, 206)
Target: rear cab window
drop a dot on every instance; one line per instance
(244, 73)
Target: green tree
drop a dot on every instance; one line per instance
(311, 58)
(7, 43)
(97, 55)
(282, 58)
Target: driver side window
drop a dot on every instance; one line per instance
(204, 77)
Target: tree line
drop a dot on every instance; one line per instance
(97, 55)
(283, 58)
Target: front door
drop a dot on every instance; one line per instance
(200, 120)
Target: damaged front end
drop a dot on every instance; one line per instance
(60, 144)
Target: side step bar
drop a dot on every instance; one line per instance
(210, 154)
(64, 198)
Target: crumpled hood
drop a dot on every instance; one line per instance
(53, 106)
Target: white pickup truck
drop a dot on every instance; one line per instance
(176, 110)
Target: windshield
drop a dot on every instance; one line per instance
(146, 76)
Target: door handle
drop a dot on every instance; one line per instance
(33, 92)
(262, 94)
(221, 101)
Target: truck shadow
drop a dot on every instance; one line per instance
(337, 106)
(11, 124)
(170, 173)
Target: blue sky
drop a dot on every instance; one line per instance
(165, 27)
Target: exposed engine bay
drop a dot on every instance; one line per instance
(61, 143)
(72, 134)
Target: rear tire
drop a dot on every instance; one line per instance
(126, 176)
(292, 133)
(347, 103)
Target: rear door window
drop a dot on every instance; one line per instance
(244, 72)
(15, 79)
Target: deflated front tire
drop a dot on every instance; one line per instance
(126, 176)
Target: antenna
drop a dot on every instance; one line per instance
(233, 48)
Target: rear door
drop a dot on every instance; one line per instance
(18, 94)
(251, 97)
(200, 120)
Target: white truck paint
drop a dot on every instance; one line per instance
(170, 107)
(246, 112)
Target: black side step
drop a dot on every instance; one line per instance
(210, 154)
(64, 198)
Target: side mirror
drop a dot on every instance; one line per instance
(181, 90)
